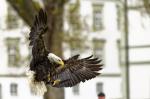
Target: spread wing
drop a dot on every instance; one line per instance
(37, 30)
(78, 70)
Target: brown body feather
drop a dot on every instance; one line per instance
(39, 63)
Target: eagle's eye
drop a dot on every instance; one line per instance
(59, 60)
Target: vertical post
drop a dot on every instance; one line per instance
(126, 53)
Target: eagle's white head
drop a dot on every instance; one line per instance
(55, 59)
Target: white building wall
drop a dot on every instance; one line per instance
(88, 89)
(140, 81)
(23, 51)
(23, 88)
(139, 33)
(112, 85)
(110, 16)
(86, 12)
(110, 32)
(3, 10)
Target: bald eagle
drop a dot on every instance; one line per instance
(48, 69)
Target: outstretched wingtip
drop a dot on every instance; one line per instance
(39, 26)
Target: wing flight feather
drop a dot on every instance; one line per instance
(78, 70)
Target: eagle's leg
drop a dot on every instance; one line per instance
(48, 77)
(56, 82)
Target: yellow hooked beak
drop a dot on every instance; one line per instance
(61, 63)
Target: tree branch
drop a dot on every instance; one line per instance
(26, 9)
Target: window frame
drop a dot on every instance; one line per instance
(13, 50)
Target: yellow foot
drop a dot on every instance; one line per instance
(56, 82)
(49, 78)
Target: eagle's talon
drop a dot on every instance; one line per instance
(49, 78)
(56, 82)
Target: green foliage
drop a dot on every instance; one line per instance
(147, 5)
(73, 35)
(74, 17)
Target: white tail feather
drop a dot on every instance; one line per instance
(38, 88)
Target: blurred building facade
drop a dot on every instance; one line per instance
(14, 54)
(106, 22)
(104, 25)
(139, 50)
(103, 36)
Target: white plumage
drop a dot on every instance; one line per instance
(38, 88)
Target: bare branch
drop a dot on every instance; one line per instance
(26, 9)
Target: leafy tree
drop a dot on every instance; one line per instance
(27, 9)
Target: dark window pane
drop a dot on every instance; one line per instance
(12, 18)
(97, 17)
(13, 51)
(99, 87)
(14, 89)
(98, 47)
(75, 89)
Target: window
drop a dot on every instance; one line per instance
(0, 91)
(14, 89)
(75, 89)
(97, 17)
(13, 51)
(12, 18)
(99, 87)
(98, 46)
